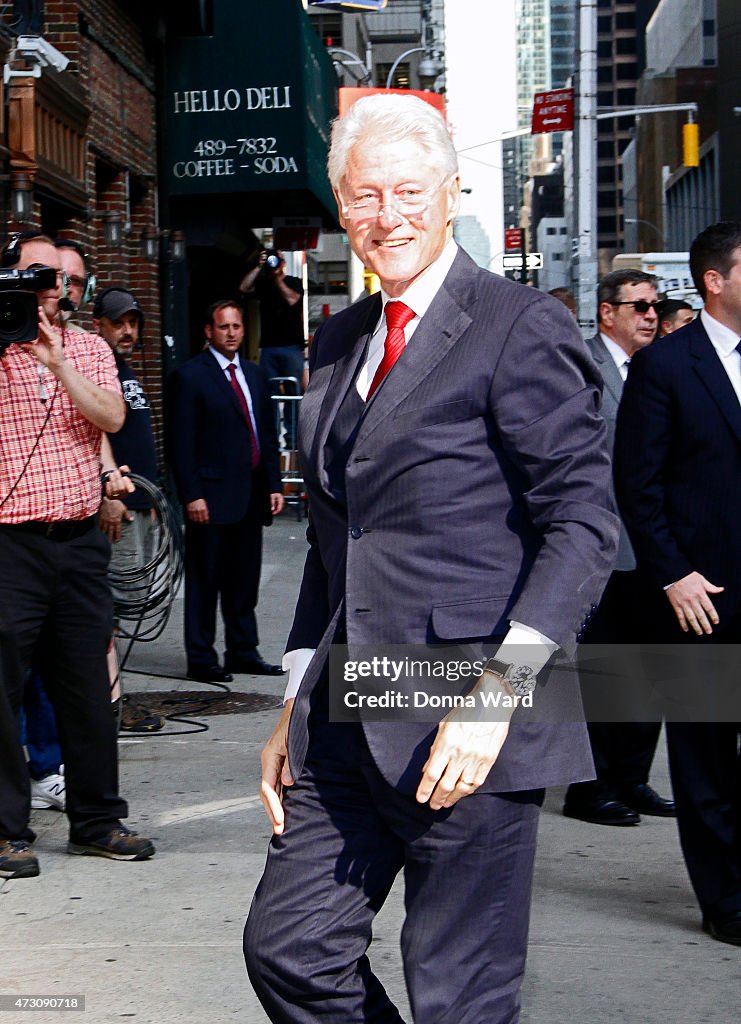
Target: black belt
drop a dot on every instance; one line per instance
(62, 529)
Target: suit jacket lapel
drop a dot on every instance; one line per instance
(710, 370)
(329, 385)
(607, 368)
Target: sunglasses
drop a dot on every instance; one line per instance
(639, 305)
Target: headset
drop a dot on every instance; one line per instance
(88, 290)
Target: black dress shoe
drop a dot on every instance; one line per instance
(255, 665)
(602, 812)
(644, 799)
(724, 929)
(210, 674)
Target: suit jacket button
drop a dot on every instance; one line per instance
(356, 532)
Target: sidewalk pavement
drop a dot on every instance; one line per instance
(615, 933)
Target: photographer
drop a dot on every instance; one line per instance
(58, 394)
(282, 341)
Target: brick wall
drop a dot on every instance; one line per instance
(111, 57)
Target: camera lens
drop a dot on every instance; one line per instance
(18, 317)
(273, 261)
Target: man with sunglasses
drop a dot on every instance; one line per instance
(623, 751)
(458, 476)
(58, 394)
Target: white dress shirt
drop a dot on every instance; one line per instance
(724, 341)
(225, 363)
(418, 297)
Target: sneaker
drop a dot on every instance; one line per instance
(48, 792)
(135, 718)
(16, 859)
(118, 844)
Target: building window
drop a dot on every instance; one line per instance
(400, 79)
(328, 27)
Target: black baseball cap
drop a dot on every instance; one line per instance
(114, 303)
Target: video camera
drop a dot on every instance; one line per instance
(19, 305)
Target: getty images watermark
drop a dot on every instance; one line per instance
(602, 683)
(423, 671)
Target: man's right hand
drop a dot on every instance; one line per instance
(692, 606)
(275, 771)
(197, 511)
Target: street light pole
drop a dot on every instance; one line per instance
(351, 61)
(586, 161)
(648, 223)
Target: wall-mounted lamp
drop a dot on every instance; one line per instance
(177, 246)
(21, 197)
(150, 244)
(112, 228)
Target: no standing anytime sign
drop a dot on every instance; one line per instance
(553, 111)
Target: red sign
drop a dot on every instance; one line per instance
(553, 111)
(512, 239)
(349, 94)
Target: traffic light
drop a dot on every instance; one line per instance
(691, 145)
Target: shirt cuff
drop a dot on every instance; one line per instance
(295, 663)
(539, 649)
(535, 648)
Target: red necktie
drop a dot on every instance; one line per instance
(255, 454)
(397, 317)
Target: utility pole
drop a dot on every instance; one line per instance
(586, 168)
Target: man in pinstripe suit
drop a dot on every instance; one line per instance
(458, 477)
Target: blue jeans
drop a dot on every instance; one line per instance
(42, 742)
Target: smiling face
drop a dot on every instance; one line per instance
(397, 248)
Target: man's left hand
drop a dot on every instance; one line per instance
(461, 756)
(47, 348)
(112, 515)
(277, 503)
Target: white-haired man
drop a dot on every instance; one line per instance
(458, 477)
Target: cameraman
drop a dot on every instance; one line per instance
(282, 342)
(57, 395)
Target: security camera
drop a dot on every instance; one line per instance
(37, 50)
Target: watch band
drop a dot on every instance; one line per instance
(518, 680)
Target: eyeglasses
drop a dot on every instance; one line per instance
(78, 282)
(410, 202)
(640, 305)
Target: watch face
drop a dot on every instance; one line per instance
(521, 679)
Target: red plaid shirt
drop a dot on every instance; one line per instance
(62, 480)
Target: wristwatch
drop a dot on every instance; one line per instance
(518, 680)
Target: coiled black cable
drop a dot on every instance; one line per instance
(143, 596)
